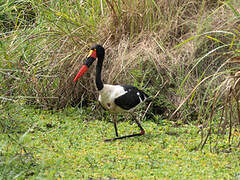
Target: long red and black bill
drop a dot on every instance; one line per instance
(91, 58)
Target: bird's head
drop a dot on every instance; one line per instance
(97, 51)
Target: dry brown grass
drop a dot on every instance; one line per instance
(146, 35)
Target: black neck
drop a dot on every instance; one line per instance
(99, 82)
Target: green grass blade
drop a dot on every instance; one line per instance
(235, 11)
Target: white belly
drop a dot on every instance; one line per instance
(107, 96)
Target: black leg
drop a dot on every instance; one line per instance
(141, 128)
(115, 125)
(131, 135)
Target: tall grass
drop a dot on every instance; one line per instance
(36, 60)
(216, 92)
(40, 60)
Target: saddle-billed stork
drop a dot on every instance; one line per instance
(114, 98)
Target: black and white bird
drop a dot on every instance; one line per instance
(114, 98)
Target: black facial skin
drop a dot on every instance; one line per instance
(89, 61)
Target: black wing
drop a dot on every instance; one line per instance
(131, 98)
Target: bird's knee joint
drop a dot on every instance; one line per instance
(142, 132)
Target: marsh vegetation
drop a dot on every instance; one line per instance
(184, 53)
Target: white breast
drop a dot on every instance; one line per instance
(107, 96)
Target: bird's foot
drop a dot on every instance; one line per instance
(109, 140)
(122, 137)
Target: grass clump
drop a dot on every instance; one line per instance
(213, 93)
(15, 15)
